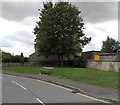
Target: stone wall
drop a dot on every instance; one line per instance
(37, 63)
(104, 65)
(16, 64)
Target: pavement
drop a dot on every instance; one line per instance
(88, 89)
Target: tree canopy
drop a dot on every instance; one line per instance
(59, 30)
(7, 57)
(110, 45)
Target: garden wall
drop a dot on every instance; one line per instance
(104, 65)
(36, 63)
(15, 64)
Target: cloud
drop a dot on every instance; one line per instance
(6, 43)
(18, 42)
(17, 49)
(17, 37)
(99, 30)
(91, 46)
(10, 27)
(23, 37)
(99, 33)
(19, 19)
(92, 12)
(17, 11)
(30, 20)
(97, 12)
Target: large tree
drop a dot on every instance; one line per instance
(60, 30)
(110, 45)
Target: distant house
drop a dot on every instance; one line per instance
(50, 60)
(89, 55)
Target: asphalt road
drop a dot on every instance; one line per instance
(24, 90)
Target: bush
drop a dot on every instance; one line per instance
(76, 62)
(7, 57)
(26, 59)
(79, 62)
(68, 62)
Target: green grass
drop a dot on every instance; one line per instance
(91, 76)
(23, 69)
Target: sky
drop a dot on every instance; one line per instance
(18, 19)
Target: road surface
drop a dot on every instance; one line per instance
(24, 90)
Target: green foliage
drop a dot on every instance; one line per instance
(7, 57)
(26, 59)
(60, 30)
(111, 45)
(79, 62)
(16, 58)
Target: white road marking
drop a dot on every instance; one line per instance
(90, 97)
(39, 101)
(42, 82)
(26, 89)
(19, 85)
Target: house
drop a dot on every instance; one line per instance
(42, 60)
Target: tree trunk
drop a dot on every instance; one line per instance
(59, 62)
(62, 61)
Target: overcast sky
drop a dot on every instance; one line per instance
(18, 20)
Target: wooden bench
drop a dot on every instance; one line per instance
(48, 68)
(48, 71)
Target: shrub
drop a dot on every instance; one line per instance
(79, 62)
(68, 62)
(7, 57)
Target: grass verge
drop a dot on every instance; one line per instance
(91, 76)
